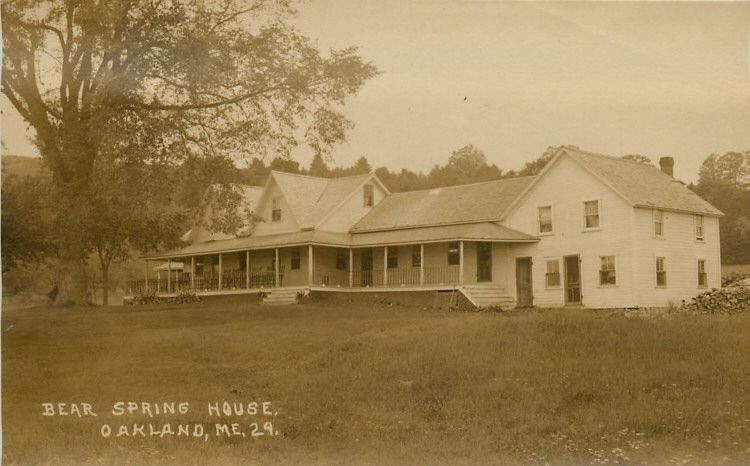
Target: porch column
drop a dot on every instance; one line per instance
(221, 270)
(158, 281)
(310, 264)
(247, 269)
(276, 268)
(192, 273)
(461, 262)
(169, 275)
(351, 267)
(145, 283)
(385, 265)
(421, 264)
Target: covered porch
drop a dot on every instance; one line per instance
(445, 257)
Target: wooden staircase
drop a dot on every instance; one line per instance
(281, 296)
(484, 295)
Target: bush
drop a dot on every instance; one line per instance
(184, 297)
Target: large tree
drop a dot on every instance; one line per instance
(724, 180)
(218, 78)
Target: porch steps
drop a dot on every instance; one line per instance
(281, 296)
(487, 295)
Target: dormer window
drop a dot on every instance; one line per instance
(276, 210)
(699, 234)
(369, 195)
(545, 219)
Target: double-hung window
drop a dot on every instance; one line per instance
(552, 277)
(591, 218)
(545, 219)
(276, 210)
(702, 276)
(658, 223)
(699, 232)
(607, 273)
(661, 272)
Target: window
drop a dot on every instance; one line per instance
(699, 227)
(416, 256)
(661, 272)
(295, 259)
(454, 253)
(591, 214)
(607, 275)
(341, 259)
(276, 210)
(702, 276)
(369, 195)
(553, 273)
(392, 258)
(659, 223)
(545, 219)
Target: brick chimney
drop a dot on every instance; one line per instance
(667, 165)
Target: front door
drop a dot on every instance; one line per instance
(484, 262)
(572, 279)
(366, 266)
(524, 288)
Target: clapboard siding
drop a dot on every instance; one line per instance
(352, 210)
(565, 187)
(681, 251)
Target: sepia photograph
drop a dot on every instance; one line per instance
(455, 232)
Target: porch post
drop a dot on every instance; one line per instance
(421, 264)
(169, 275)
(461, 262)
(158, 281)
(351, 267)
(276, 268)
(192, 273)
(385, 265)
(145, 283)
(310, 264)
(247, 269)
(221, 267)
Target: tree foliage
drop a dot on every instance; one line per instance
(101, 80)
(724, 181)
(26, 235)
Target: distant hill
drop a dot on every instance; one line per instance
(21, 166)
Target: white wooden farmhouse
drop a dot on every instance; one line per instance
(588, 230)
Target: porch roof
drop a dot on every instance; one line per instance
(297, 238)
(486, 231)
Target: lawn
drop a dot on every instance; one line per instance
(381, 385)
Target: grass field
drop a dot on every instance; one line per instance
(380, 385)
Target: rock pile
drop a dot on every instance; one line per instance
(732, 299)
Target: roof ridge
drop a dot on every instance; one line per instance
(326, 178)
(613, 157)
(463, 185)
(301, 175)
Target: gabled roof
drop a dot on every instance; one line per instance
(639, 184)
(250, 197)
(468, 203)
(312, 198)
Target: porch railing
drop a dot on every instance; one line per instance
(230, 280)
(236, 279)
(445, 275)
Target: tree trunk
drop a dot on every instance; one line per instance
(105, 285)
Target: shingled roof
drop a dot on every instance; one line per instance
(310, 198)
(643, 185)
(468, 203)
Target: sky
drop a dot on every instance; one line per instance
(512, 78)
